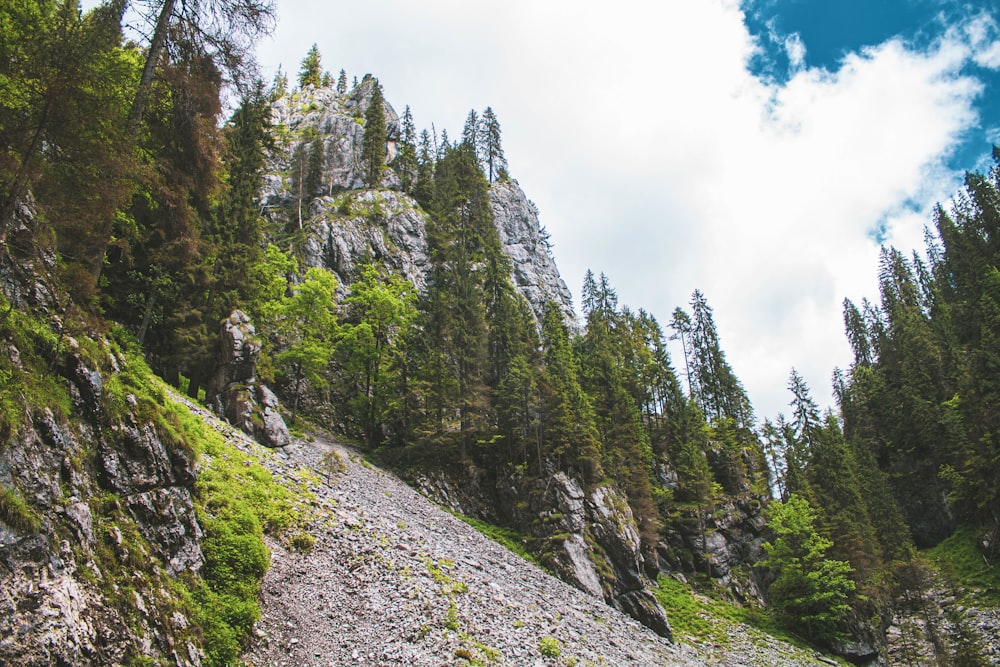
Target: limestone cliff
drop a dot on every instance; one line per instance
(345, 224)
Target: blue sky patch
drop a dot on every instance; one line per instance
(830, 30)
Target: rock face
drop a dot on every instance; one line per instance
(335, 124)
(234, 391)
(526, 243)
(96, 513)
(383, 226)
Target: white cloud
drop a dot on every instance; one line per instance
(796, 51)
(656, 157)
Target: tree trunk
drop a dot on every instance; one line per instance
(156, 46)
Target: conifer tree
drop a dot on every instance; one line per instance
(406, 163)
(222, 30)
(423, 188)
(63, 80)
(342, 82)
(460, 232)
(314, 170)
(568, 422)
(490, 147)
(373, 142)
(311, 70)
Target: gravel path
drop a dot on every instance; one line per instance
(394, 580)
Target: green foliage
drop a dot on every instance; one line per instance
(305, 325)
(65, 82)
(311, 70)
(237, 501)
(370, 350)
(549, 647)
(373, 142)
(960, 557)
(31, 382)
(811, 591)
(16, 513)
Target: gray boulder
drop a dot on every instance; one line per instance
(234, 391)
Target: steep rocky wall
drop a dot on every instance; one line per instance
(96, 513)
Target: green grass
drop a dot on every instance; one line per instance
(16, 513)
(28, 384)
(959, 557)
(236, 501)
(704, 618)
(549, 647)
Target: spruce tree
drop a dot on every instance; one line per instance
(311, 70)
(342, 82)
(406, 163)
(373, 142)
(490, 147)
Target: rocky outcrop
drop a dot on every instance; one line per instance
(347, 225)
(234, 391)
(526, 243)
(935, 624)
(323, 118)
(381, 226)
(589, 538)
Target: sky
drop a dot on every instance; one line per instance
(759, 151)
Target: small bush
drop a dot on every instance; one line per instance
(549, 647)
(303, 542)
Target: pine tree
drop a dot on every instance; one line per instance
(406, 163)
(373, 143)
(460, 234)
(490, 147)
(423, 188)
(718, 390)
(342, 82)
(568, 422)
(311, 70)
(63, 80)
(313, 184)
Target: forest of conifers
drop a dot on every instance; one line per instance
(150, 207)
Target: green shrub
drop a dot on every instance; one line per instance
(549, 647)
(14, 512)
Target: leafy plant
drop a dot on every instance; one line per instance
(549, 647)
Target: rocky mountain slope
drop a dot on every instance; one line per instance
(394, 580)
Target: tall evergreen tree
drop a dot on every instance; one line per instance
(460, 233)
(373, 142)
(490, 147)
(406, 163)
(311, 69)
